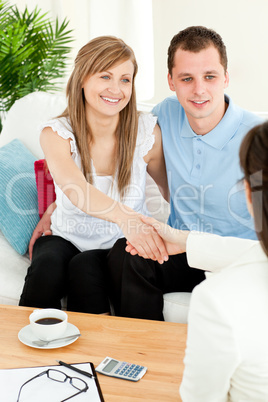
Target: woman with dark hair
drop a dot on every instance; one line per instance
(98, 152)
(254, 162)
(226, 357)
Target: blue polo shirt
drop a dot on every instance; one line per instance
(204, 174)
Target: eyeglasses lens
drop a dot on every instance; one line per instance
(56, 375)
(62, 377)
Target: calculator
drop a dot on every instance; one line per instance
(119, 369)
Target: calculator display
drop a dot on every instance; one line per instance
(110, 366)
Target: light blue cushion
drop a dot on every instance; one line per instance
(18, 195)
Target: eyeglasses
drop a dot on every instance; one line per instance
(59, 376)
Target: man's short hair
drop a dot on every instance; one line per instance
(194, 39)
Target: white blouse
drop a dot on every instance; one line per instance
(87, 232)
(226, 357)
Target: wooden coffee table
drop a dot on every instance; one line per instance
(158, 345)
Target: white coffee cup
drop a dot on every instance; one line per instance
(48, 323)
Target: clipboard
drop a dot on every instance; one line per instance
(43, 389)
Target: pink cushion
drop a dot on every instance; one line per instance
(45, 186)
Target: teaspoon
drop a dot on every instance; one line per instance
(44, 343)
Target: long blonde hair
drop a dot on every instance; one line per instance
(99, 55)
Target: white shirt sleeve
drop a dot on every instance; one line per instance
(145, 136)
(212, 252)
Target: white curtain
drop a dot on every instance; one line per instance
(131, 20)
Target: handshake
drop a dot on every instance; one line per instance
(173, 241)
(146, 236)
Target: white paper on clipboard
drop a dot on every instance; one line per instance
(43, 389)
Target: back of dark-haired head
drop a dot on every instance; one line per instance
(254, 162)
(194, 39)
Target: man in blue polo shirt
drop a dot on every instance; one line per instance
(201, 131)
(206, 191)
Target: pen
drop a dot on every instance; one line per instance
(75, 369)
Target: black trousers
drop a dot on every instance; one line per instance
(138, 284)
(59, 269)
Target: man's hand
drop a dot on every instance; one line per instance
(42, 228)
(174, 240)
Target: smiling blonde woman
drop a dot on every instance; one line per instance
(98, 152)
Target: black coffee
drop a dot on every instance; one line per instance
(48, 321)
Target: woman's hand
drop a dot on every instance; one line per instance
(42, 228)
(174, 239)
(143, 238)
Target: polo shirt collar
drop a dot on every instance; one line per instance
(223, 132)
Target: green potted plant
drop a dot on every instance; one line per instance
(33, 53)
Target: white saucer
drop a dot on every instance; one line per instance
(26, 336)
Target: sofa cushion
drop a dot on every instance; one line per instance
(156, 205)
(13, 269)
(176, 307)
(24, 118)
(18, 195)
(45, 186)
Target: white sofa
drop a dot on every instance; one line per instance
(22, 123)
